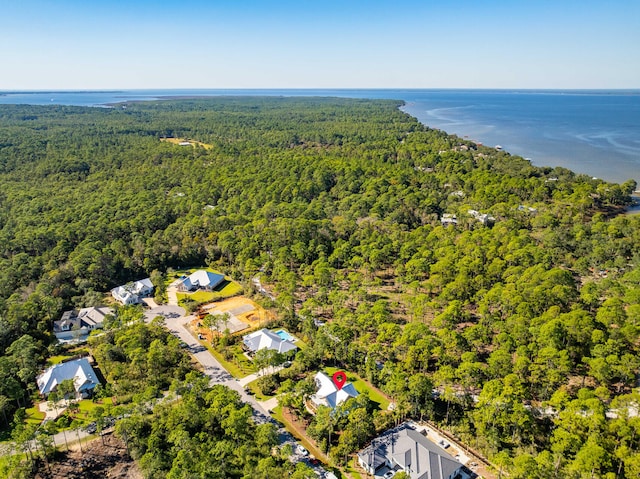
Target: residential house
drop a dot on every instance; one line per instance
(77, 324)
(328, 393)
(201, 279)
(79, 370)
(448, 219)
(483, 218)
(405, 449)
(267, 339)
(132, 293)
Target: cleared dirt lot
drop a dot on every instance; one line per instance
(244, 315)
(98, 460)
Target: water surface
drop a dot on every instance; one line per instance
(591, 132)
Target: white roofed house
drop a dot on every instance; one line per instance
(267, 339)
(79, 370)
(483, 218)
(328, 393)
(448, 219)
(201, 279)
(132, 293)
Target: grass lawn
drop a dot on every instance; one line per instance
(34, 416)
(351, 470)
(231, 288)
(241, 360)
(199, 296)
(361, 385)
(86, 406)
(253, 385)
(239, 367)
(58, 359)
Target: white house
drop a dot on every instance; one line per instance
(79, 370)
(328, 394)
(405, 449)
(483, 218)
(448, 219)
(200, 279)
(267, 339)
(132, 293)
(79, 323)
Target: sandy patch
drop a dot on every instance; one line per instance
(245, 314)
(186, 142)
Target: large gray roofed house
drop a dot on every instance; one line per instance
(404, 448)
(81, 322)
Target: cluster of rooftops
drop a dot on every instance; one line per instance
(78, 323)
(402, 448)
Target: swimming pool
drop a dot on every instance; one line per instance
(285, 336)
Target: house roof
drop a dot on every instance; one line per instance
(267, 339)
(90, 317)
(202, 279)
(79, 370)
(143, 284)
(126, 291)
(328, 394)
(94, 316)
(408, 449)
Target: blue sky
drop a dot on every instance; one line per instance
(94, 44)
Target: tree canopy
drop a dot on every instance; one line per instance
(502, 332)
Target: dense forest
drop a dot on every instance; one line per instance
(520, 334)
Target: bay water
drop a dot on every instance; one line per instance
(595, 132)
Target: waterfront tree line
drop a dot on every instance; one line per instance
(520, 335)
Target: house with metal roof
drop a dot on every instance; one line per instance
(405, 449)
(267, 339)
(328, 393)
(79, 370)
(201, 279)
(79, 323)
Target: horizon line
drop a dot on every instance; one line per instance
(115, 90)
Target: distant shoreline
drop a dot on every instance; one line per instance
(588, 131)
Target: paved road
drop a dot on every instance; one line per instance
(176, 322)
(210, 365)
(219, 375)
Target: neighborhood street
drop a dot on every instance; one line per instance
(176, 322)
